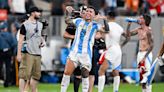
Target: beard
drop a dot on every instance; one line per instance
(37, 17)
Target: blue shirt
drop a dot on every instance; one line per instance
(7, 40)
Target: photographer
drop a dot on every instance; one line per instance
(30, 67)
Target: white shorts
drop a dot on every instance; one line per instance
(147, 64)
(82, 60)
(114, 56)
(148, 60)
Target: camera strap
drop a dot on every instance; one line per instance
(35, 30)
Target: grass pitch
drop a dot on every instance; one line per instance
(157, 87)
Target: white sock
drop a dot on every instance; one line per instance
(144, 90)
(116, 83)
(85, 84)
(129, 79)
(101, 83)
(149, 88)
(65, 83)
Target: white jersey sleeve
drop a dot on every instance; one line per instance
(114, 35)
(99, 26)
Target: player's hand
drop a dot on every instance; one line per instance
(69, 9)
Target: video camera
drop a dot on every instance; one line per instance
(45, 24)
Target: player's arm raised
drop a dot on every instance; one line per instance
(68, 18)
(134, 32)
(68, 36)
(102, 30)
(105, 26)
(126, 34)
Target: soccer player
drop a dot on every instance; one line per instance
(81, 49)
(113, 54)
(144, 56)
(70, 34)
(159, 61)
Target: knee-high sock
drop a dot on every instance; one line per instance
(149, 88)
(101, 83)
(85, 84)
(76, 84)
(116, 83)
(144, 90)
(65, 83)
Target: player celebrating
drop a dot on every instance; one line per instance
(159, 61)
(70, 34)
(144, 57)
(113, 54)
(81, 49)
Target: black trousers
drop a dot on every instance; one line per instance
(5, 58)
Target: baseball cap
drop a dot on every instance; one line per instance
(112, 14)
(34, 9)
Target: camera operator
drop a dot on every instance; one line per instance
(30, 67)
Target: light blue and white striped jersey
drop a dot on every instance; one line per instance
(84, 36)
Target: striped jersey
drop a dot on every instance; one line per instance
(84, 36)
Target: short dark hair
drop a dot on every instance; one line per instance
(147, 19)
(112, 14)
(96, 12)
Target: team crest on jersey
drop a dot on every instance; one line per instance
(89, 27)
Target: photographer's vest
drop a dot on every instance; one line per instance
(33, 37)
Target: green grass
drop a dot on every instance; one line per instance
(157, 87)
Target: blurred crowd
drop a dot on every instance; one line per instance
(57, 7)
